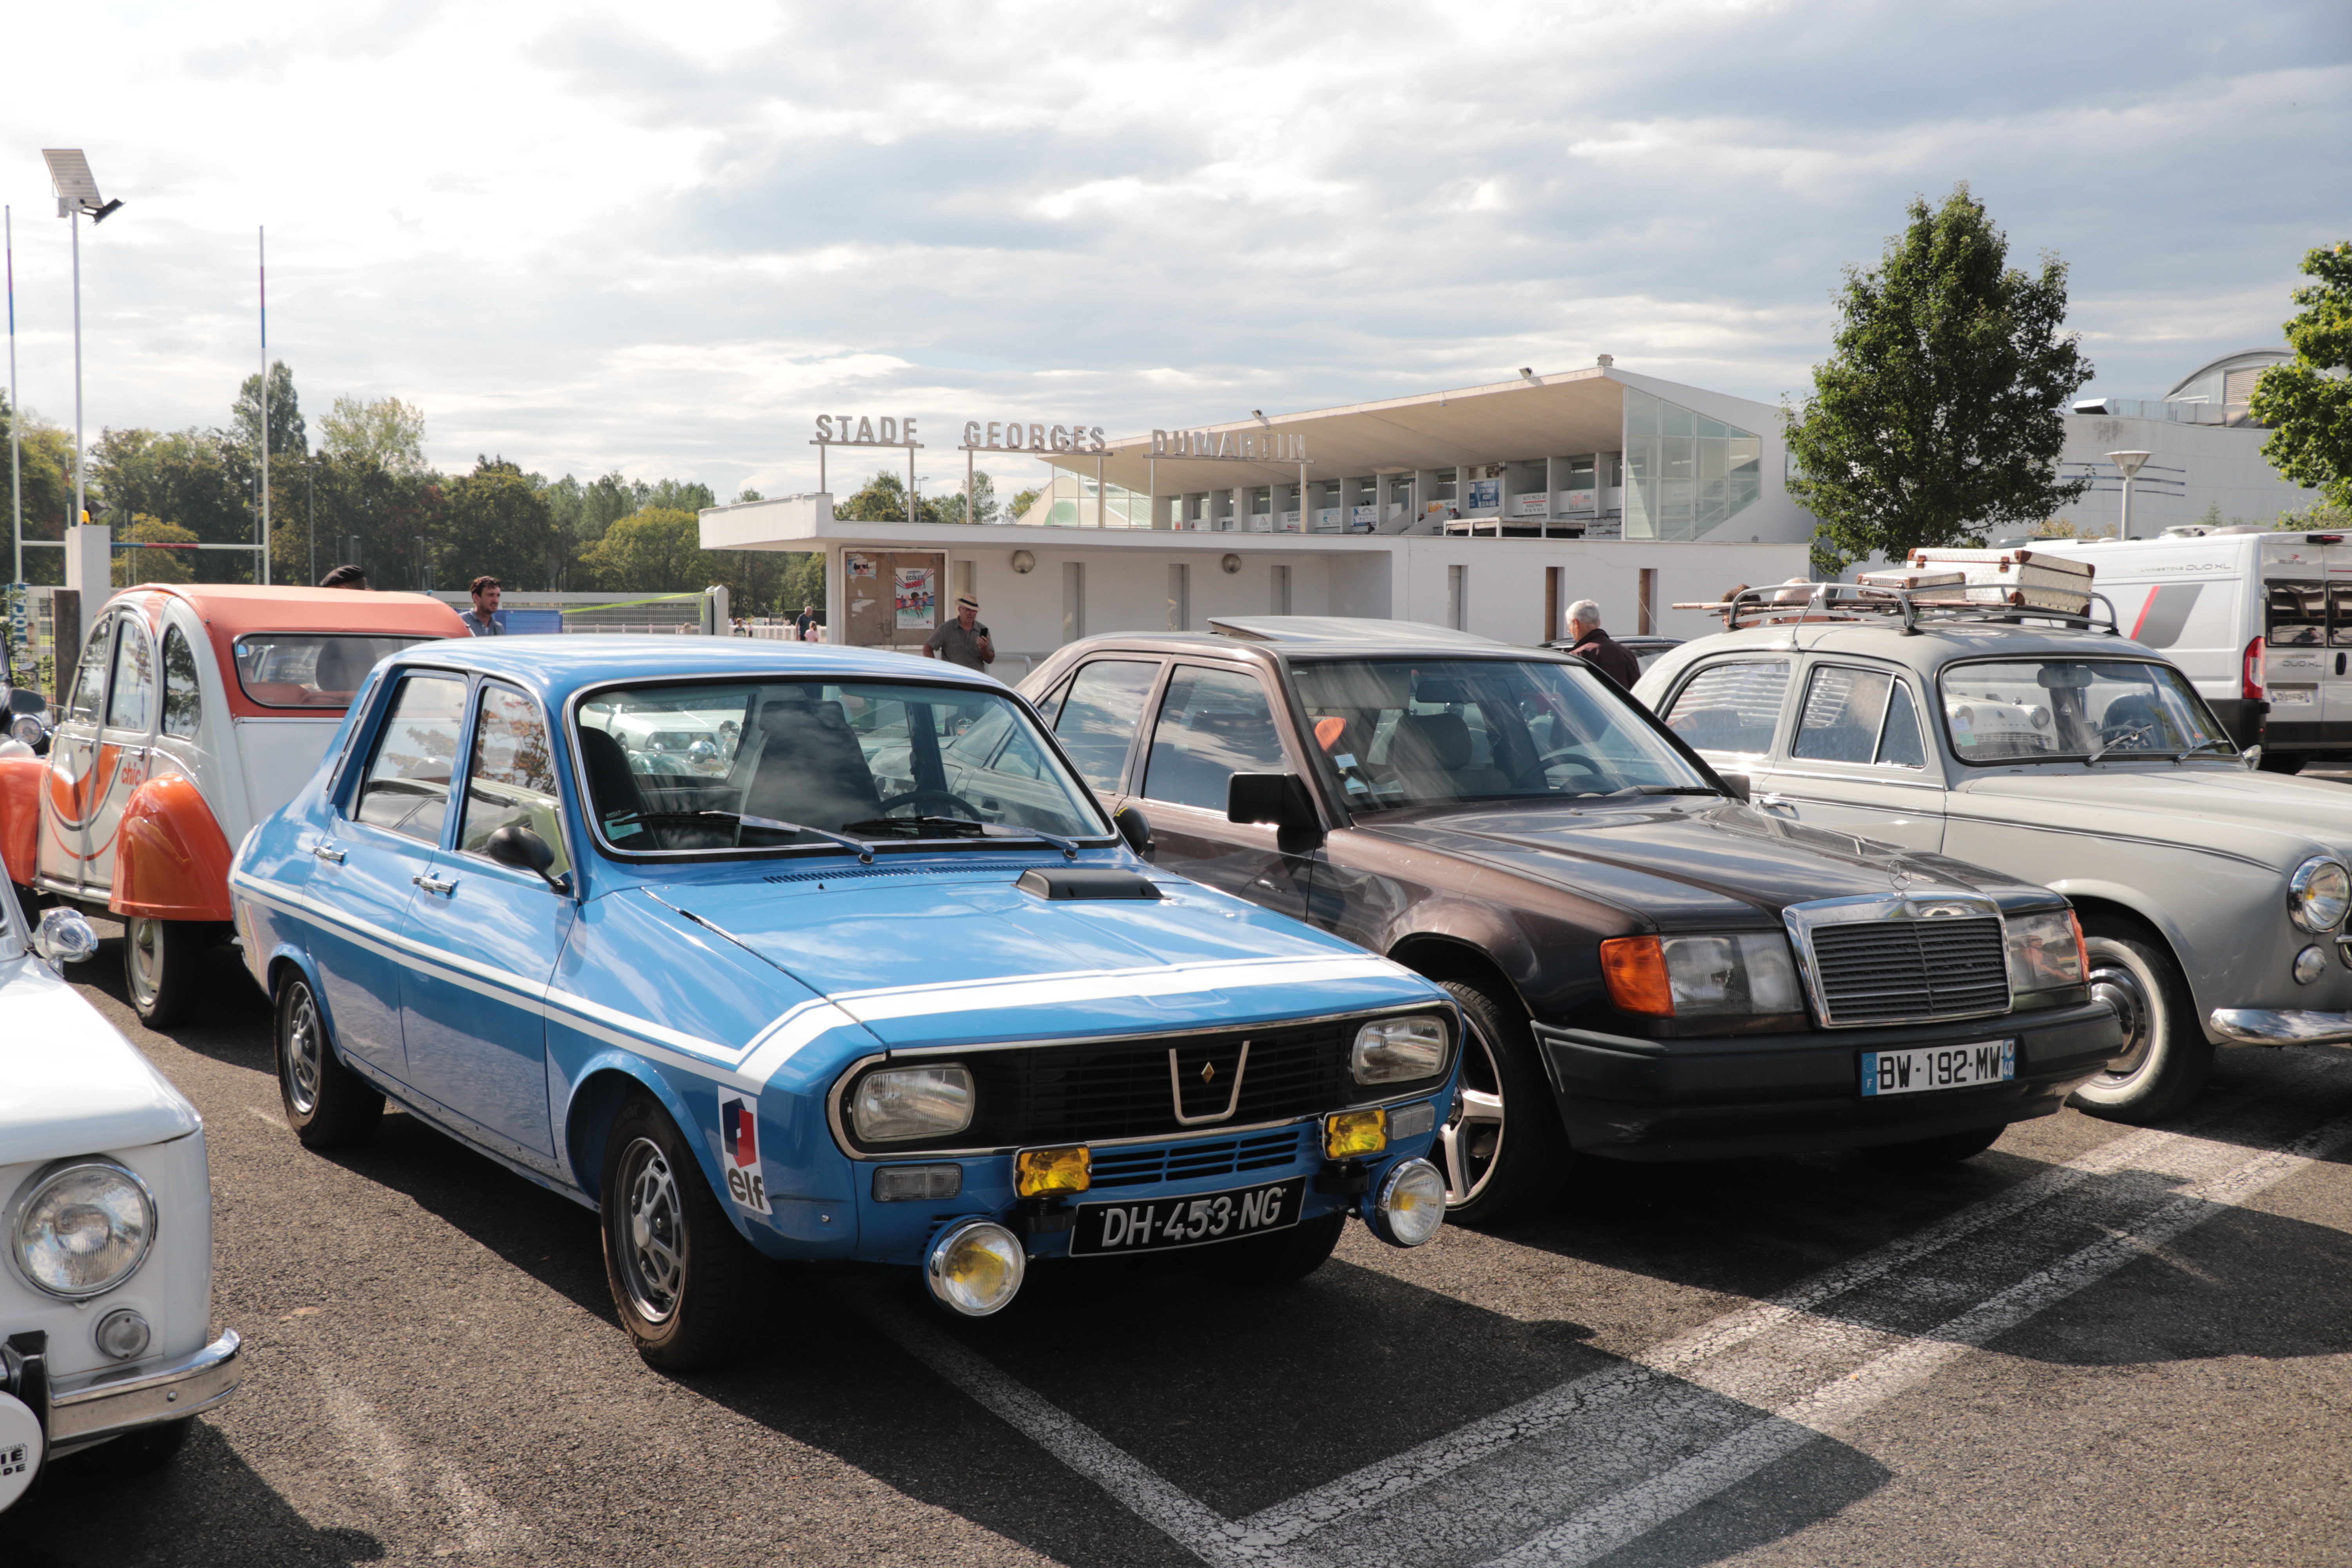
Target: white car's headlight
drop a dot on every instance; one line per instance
(2046, 952)
(2318, 894)
(1398, 1050)
(911, 1102)
(81, 1228)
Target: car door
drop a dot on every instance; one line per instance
(1854, 760)
(1728, 710)
(75, 785)
(1214, 722)
(484, 938)
(125, 740)
(387, 832)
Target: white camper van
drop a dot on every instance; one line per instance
(2260, 621)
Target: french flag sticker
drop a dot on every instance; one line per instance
(738, 1134)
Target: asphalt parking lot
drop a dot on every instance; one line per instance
(2093, 1344)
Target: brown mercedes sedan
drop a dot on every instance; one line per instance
(1651, 970)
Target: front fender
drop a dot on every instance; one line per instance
(20, 815)
(173, 859)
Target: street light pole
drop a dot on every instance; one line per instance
(2128, 463)
(15, 416)
(261, 254)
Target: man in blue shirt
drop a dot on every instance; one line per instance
(484, 619)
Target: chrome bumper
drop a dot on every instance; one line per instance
(104, 1410)
(2278, 1027)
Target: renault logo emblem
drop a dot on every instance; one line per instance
(1208, 1075)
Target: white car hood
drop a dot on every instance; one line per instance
(2269, 815)
(69, 1082)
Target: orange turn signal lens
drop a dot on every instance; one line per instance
(1044, 1173)
(1635, 969)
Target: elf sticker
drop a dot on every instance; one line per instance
(739, 1131)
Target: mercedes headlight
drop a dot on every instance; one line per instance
(82, 1228)
(1746, 974)
(1398, 1050)
(2046, 952)
(2318, 894)
(911, 1102)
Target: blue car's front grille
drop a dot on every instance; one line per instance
(1132, 1166)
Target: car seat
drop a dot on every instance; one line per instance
(611, 786)
(1431, 754)
(811, 768)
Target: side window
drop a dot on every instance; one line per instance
(2296, 615)
(1730, 707)
(89, 676)
(1213, 724)
(1901, 746)
(511, 779)
(1842, 713)
(130, 703)
(1051, 703)
(406, 788)
(184, 708)
(1098, 717)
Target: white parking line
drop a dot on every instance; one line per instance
(1837, 1404)
(1583, 1468)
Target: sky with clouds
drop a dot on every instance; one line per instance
(660, 240)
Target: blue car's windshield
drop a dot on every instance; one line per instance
(790, 763)
(1419, 731)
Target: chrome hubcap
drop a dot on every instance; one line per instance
(2121, 989)
(144, 943)
(304, 1050)
(1471, 1141)
(649, 1229)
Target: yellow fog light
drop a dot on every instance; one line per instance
(1043, 1173)
(975, 1267)
(1352, 1134)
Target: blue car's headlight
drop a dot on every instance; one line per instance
(898, 1103)
(1398, 1050)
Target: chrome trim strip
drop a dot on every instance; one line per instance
(1803, 919)
(1233, 1100)
(1261, 1026)
(2281, 1027)
(103, 1409)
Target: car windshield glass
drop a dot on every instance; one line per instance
(309, 669)
(793, 763)
(2032, 709)
(1415, 731)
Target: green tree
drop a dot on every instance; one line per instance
(289, 437)
(657, 550)
(2307, 402)
(383, 432)
(983, 495)
(46, 463)
(1021, 501)
(1940, 414)
(883, 499)
(154, 565)
(493, 523)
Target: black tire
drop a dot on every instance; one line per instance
(2166, 1056)
(162, 964)
(1928, 1154)
(1515, 1155)
(149, 1447)
(28, 902)
(691, 1290)
(1286, 1257)
(328, 1105)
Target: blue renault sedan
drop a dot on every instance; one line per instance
(783, 952)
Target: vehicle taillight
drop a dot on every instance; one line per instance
(2253, 679)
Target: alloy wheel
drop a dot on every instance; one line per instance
(1470, 1144)
(649, 1232)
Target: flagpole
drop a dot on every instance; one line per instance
(262, 253)
(15, 414)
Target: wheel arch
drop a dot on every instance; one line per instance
(1440, 957)
(173, 859)
(20, 815)
(599, 1091)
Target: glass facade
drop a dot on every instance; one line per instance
(1685, 474)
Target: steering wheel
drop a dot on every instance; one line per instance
(1565, 758)
(915, 797)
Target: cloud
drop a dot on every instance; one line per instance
(592, 237)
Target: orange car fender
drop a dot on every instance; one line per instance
(172, 860)
(20, 814)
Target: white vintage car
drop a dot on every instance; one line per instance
(2213, 898)
(196, 710)
(106, 1298)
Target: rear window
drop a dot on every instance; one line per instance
(310, 669)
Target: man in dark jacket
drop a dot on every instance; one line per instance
(1597, 648)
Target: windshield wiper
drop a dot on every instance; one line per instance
(1664, 789)
(919, 826)
(1068, 847)
(864, 850)
(2131, 734)
(2226, 744)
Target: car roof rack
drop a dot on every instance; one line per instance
(1798, 604)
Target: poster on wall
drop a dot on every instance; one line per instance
(1486, 495)
(1531, 503)
(915, 598)
(859, 566)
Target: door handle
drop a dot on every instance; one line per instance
(325, 851)
(2339, 664)
(434, 884)
(1774, 802)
